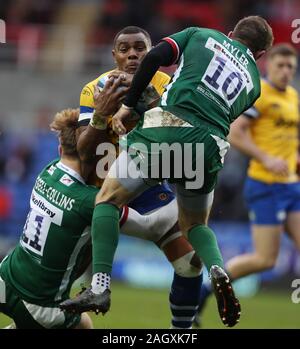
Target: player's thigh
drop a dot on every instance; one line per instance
(264, 204)
(32, 316)
(266, 240)
(193, 208)
(15, 309)
(123, 183)
(266, 215)
(293, 226)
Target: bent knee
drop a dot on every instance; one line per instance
(110, 197)
(185, 226)
(266, 262)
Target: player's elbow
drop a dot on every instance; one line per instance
(237, 134)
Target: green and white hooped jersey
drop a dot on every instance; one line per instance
(44, 264)
(216, 79)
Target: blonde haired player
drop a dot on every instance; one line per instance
(55, 246)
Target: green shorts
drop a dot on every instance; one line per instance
(32, 316)
(166, 147)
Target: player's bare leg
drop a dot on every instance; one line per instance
(292, 227)
(266, 243)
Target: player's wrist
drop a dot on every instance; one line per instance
(98, 121)
(125, 107)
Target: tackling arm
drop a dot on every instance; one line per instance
(94, 132)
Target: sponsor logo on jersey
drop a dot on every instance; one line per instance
(86, 92)
(282, 122)
(163, 196)
(40, 204)
(218, 47)
(51, 170)
(66, 180)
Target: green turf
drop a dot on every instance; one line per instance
(142, 308)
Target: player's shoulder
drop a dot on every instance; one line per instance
(89, 87)
(292, 91)
(267, 90)
(49, 168)
(265, 84)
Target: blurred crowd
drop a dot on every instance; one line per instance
(27, 26)
(93, 23)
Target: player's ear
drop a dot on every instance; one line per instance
(230, 34)
(114, 55)
(258, 54)
(60, 150)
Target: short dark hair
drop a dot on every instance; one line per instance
(283, 49)
(132, 30)
(254, 32)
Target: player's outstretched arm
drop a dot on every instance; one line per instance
(106, 102)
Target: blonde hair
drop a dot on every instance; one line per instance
(282, 49)
(65, 124)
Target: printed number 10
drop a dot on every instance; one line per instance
(213, 80)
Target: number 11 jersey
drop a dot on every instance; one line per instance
(56, 234)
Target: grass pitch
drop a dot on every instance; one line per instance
(145, 308)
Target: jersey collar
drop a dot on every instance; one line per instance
(275, 87)
(70, 171)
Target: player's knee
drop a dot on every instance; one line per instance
(266, 262)
(108, 197)
(188, 227)
(187, 223)
(188, 265)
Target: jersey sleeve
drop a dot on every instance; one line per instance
(179, 40)
(251, 113)
(256, 109)
(86, 106)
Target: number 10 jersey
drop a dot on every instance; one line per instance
(216, 79)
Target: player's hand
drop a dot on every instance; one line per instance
(276, 165)
(119, 119)
(107, 100)
(126, 78)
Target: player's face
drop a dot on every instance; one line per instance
(281, 70)
(129, 51)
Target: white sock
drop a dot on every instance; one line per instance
(100, 282)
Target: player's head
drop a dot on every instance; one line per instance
(65, 124)
(255, 33)
(281, 64)
(129, 48)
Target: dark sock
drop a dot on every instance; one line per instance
(184, 299)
